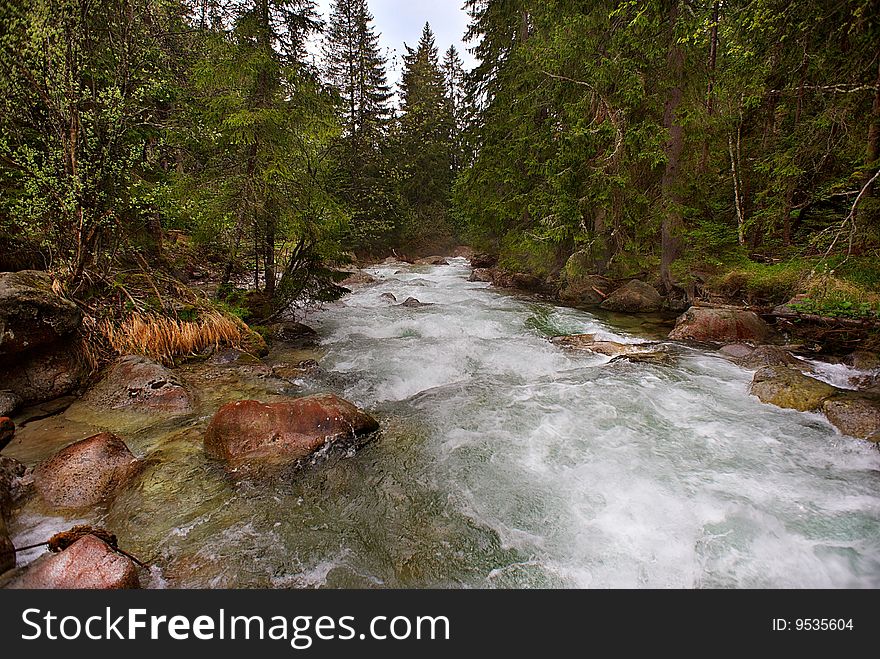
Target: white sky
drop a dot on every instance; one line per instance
(401, 21)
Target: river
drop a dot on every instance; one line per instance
(506, 461)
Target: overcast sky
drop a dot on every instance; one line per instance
(401, 21)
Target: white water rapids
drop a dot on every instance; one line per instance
(594, 474)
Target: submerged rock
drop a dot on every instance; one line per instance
(89, 563)
(432, 260)
(413, 303)
(295, 371)
(589, 343)
(86, 473)
(736, 350)
(634, 297)
(140, 385)
(768, 356)
(31, 313)
(656, 358)
(9, 402)
(7, 549)
(288, 431)
(786, 387)
(7, 431)
(719, 325)
(11, 488)
(855, 414)
(358, 278)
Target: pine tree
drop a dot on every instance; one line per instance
(426, 124)
(462, 113)
(355, 68)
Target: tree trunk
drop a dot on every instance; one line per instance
(672, 218)
(873, 153)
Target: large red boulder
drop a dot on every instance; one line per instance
(89, 563)
(286, 431)
(86, 473)
(711, 325)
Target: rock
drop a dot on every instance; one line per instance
(413, 303)
(483, 261)
(388, 296)
(11, 490)
(736, 350)
(768, 356)
(7, 549)
(138, 384)
(863, 360)
(790, 307)
(634, 297)
(481, 274)
(588, 343)
(786, 387)
(520, 280)
(432, 260)
(358, 278)
(86, 473)
(7, 431)
(855, 414)
(233, 356)
(463, 251)
(254, 343)
(716, 325)
(9, 402)
(46, 372)
(287, 431)
(296, 371)
(585, 290)
(89, 563)
(31, 313)
(656, 358)
(297, 335)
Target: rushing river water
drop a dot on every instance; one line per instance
(506, 461)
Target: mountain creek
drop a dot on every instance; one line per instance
(504, 459)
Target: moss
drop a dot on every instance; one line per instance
(519, 253)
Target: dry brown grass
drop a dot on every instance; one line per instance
(162, 338)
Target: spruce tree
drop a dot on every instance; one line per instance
(355, 68)
(426, 125)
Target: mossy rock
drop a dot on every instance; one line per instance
(791, 389)
(855, 414)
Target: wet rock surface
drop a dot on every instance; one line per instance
(86, 473)
(786, 387)
(286, 431)
(712, 325)
(634, 297)
(89, 563)
(141, 385)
